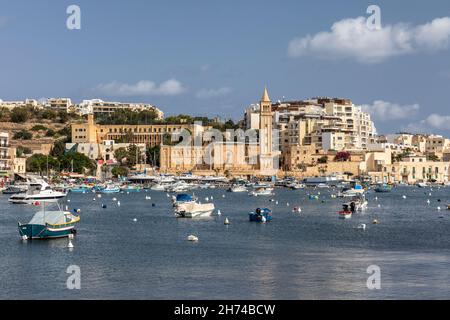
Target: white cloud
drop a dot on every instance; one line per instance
(437, 121)
(385, 111)
(142, 88)
(431, 123)
(351, 38)
(213, 93)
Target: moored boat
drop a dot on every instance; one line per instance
(260, 215)
(194, 210)
(237, 188)
(49, 224)
(383, 188)
(38, 191)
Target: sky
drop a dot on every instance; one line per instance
(207, 57)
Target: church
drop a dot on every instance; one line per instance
(248, 153)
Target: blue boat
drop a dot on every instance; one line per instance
(110, 189)
(49, 224)
(182, 198)
(261, 215)
(383, 188)
(80, 189)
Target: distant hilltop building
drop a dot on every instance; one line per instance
(93, 106)
(98, 106)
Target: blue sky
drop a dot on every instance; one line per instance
(214, 57)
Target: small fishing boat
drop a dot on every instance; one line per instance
(383, 188)
(237, 188)
(261, 190)
(15, 189)
(347, 211)
(131, 188)
(49, 224)
(110, 189)
(260, 215)
(422, 184)
(80, 189)
(194, 210)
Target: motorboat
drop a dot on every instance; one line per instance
(422, 184)
(356, 191)
(38, 191)
(295, 185)
(237, 188)
(80, 189)
(261, 190)
(131, 188)
(15, 189)
(346, 212)
(182, 198)
(110, 188)
(194, 209)
(383, 188)
(260, 215)
(47, 224)
(323, 186)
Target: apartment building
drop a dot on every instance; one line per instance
(98, 106)
(59, 104)
(5, 157)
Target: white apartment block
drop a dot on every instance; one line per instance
(4, 153)
(98, 106)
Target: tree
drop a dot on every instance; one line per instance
(76, 161)
(342, 156)
(323, 159)
(119, 171)
(121, 155)
(23, 135)
(63, 116)
(39, 127)
(153, 156)
(19, 115)
(58, 149)
(433, 157)
(38, 163)
(21, 151)
(50, 133)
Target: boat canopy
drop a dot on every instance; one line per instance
(184, 197)
(50, 217)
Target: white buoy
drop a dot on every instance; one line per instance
(376, 198)
(114, 199)
(223, 196)
(362, 226)
(118, 203)
(404, 197)
(206, 199)
(167, 195)
(379, 206)
(192, 238)
(276, 202)
(287, 204)
(134, 220)
(212, 198)
(428, 201)
(94, 199)
(70, 244)
(226, 222)
(99, 196)
(429, 194)
(68, 200)
(439, 208)
(219, 213)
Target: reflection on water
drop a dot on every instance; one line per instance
(307, 255)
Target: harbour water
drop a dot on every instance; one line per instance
(307, 255)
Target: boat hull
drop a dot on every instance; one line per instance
(37, 231)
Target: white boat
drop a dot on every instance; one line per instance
(261, 190)
(238, 188)
(295, 185)
(322, 186)
(39, 190)
(160, 187)
(422, 184)
(194, 209)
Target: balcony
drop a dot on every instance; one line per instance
(4, 157)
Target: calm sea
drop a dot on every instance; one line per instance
(307, 255)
